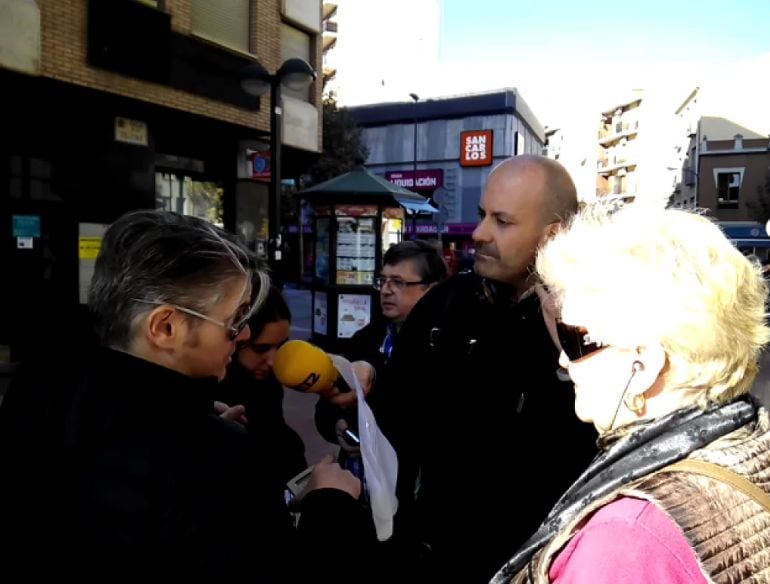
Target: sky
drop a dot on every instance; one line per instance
(569, 59)
(593, 52)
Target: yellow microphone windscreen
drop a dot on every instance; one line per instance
(304, 367)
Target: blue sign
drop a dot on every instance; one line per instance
(26, 225)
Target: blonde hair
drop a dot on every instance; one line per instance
(644, 276)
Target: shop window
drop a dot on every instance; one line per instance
(225, 22)
(182, 194)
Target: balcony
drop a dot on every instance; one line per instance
(616, 160)
(609, 133)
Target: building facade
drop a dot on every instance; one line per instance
(635, 156)
(114, 105)
(445, 148)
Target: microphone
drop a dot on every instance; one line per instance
(306, 368)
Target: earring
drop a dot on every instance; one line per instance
(637, 405)
(637, 401)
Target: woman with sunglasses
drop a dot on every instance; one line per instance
(250, 384)
(661, 325)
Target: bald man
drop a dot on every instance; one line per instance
(472, 404)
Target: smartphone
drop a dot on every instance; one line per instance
(351, 438)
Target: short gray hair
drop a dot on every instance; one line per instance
(160, 257)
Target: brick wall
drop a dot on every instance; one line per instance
(64, 38)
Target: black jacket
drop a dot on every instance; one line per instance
(122, 470)
(263, 401)
(485, 432)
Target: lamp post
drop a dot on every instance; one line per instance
(416, 98)
(294, 74)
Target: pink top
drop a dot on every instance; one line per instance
(627, 541)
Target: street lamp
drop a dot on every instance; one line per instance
(295, 74)
(416, 98)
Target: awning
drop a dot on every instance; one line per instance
(751, 242)
(415, 207)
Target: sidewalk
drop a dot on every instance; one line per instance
(299, 408)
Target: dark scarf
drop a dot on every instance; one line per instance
(637, 454)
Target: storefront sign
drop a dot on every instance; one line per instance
(356, 210)
(88, 247)
(449, 229)
(476, 148)
(259, 160)
(26, 225)
(131, 132)
(427, 180)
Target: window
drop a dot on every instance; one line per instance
(295, 43)
(182, 194)
(225, 22)
(728, 188)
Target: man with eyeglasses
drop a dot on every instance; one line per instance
(410, 269)
(119, 468)
(471, 399)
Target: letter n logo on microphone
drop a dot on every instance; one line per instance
(309, 382)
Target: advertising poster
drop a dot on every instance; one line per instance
(354, 312)
(355, 250)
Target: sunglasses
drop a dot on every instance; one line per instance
(575, 341)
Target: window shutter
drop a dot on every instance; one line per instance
(225, 22)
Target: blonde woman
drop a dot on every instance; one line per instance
(661, 324)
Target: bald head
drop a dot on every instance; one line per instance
(550, 184)
(524, 198)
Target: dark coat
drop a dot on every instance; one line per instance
(120, 469)
(263, 401)
(484, 430)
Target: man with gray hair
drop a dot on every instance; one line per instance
(120, 465)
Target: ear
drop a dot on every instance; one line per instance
(162, 327)
(648, 363)
(549, 231)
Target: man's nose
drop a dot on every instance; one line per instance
(564, 360)
(481, 233)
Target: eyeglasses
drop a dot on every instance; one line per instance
(240, 320)
(575, 341)
(395, 283)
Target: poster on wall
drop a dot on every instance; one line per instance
(354, 311)
(320, 313)
(355, 250)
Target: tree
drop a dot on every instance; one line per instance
(343, 148)
(760, 209)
